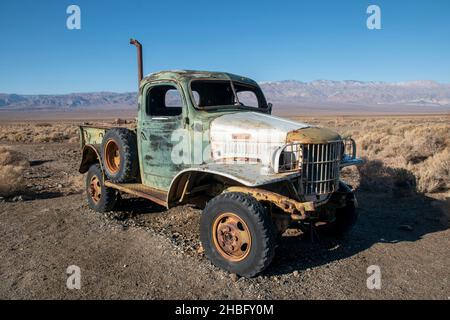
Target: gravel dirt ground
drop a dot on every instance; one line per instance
(142, 251)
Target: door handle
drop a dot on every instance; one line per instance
(143, 136)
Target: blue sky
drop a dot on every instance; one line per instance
(265, 40)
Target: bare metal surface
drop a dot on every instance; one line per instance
(250, 135)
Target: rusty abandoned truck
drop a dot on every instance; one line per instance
(208, 139)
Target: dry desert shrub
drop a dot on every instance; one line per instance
(434, 174)
(39, 132)
(375, 176)
(12, 166)
(422, 149)
(412, 147)
(43, 124)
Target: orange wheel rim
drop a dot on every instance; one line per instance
(231, 237)
(95, 189)
(112, 156)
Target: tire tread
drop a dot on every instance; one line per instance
(127, 139)
(262, 220)
(109, 196)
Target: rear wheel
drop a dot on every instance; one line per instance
(237, 234)
(100, 198)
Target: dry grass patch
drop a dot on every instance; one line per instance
(12, 167)
(39, 132)
(422, 149)
(418, 146)
(435, 172)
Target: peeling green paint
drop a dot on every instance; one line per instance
(155, 134)
(91, 135)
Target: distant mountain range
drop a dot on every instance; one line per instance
(290, 92)
(358, 92)
(67, 101)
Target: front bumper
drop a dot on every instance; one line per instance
(346, 162)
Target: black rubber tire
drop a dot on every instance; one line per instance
(129, 167)
(260, 227)
(108, 197)
(345, 219)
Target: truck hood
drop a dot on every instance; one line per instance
(255, 136)
(253, 126)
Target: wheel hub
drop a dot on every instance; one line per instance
(95, 189)
(112, 156)
(231, 237)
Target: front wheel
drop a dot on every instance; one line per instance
(100, 198)
(237, 234)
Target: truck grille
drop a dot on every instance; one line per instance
(319, 165)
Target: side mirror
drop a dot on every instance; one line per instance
(269, 108)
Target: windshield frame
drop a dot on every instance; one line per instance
(262, 103)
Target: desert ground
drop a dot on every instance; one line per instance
(142, 251)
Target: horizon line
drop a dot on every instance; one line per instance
(259, 82)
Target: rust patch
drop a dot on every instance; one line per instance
(232, 237)
(297, 209)
(312, 135)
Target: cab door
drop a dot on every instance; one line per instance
(161, 130)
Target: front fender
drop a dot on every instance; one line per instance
(249, 175)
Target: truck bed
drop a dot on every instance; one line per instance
(92, 133)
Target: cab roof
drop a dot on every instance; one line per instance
(187, 75)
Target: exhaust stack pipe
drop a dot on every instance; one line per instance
(139, 58)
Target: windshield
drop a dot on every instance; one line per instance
(211, 94)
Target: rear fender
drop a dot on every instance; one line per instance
(91, 155)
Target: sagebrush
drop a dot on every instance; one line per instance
(12, 167)
(399, 149)
(39, 132)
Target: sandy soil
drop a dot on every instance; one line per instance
(143, 251)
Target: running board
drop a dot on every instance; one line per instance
(140, 190)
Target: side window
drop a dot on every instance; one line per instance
(164, 100)
(173, 99)
(248, 98)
